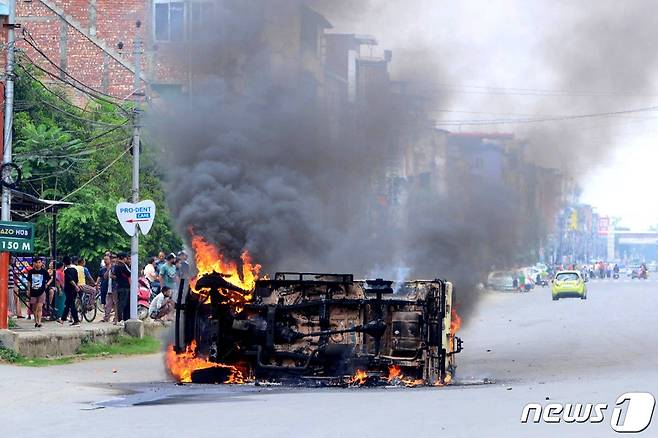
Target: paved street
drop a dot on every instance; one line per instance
(532, 348)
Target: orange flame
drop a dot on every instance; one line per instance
(359, 378)
(446, 381)
(394, 372)
(455, 321)
(181, 366)
(455, 325)
(395, 376)
(209, 259)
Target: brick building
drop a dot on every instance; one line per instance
(93, 41)
(82, 37)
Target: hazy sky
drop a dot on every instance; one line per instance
(510, 59)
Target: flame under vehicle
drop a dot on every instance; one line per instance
(319, 328)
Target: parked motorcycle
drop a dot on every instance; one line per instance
(143, 298)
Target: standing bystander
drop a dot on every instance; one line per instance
(152, 275)
(70, 290)
(122, 277)
(160, 261)
(37, 280)
(183, 266)
(111, 300)
(168, 272)
(101, 281)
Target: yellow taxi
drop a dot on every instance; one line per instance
(568, 284)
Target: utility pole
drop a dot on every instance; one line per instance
(134, 240)
(6, 156)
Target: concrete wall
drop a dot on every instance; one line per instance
(60, 342)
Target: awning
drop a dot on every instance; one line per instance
(23, 204)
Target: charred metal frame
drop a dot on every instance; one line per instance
(250, 337)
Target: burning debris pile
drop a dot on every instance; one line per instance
(325, 329)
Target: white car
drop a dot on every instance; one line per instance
(501, 280)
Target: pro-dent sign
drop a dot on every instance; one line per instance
(131, 216)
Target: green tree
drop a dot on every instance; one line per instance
(82, 154)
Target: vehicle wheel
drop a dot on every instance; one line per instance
(99, 305)
(86, 309)
(142, 312)
(555, 298)
(78, 306)
(584, 297)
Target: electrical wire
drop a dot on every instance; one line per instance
(58, 78)
(102, 171)
(34, 78)
(32, 42)
(545, 119)
(82, 119)
(517, 91)
(42, 178)
(96, 148)
(82, 87)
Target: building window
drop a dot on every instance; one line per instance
(181, 20)
(201, 17)
(169, 20)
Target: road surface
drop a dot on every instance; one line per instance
(533, 349)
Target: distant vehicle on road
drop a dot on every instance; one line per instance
(501, 281)
(568, 284)
(640, 273)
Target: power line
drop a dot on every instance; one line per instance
(82, 87)
(517, 91)
(32, 42)
(82, 119)
(83, 185)
(45, 87)
(545, 119)
(96, 148)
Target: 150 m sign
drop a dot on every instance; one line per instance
(17, 237)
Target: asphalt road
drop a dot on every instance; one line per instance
(533, 349)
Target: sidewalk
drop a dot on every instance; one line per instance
(54, 340)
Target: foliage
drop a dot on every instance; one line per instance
(89, 228)
(7, 355)
(123, 345)
(60, 147)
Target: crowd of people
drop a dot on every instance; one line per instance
(51, 292)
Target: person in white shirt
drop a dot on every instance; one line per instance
(162, 305)
(149, 271)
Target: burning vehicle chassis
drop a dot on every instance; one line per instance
(315, 329)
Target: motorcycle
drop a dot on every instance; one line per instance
(143, 298)
(540, 281)
(640, 274)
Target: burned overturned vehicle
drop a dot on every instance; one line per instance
(315, 328)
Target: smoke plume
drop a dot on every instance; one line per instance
(259, 161)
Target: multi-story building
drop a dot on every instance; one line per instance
(93, 41)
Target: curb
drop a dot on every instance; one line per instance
(65, 342)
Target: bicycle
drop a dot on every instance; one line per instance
(86, 304)
(99, 305)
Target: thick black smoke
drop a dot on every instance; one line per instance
(257, 162)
